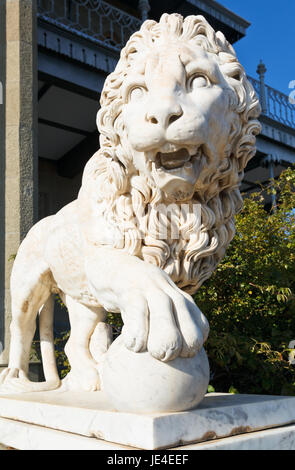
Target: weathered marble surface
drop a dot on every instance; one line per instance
(25, 436)
(153, 217)
(90, 414)
(140, 383)
(281, 438)
(2, 447)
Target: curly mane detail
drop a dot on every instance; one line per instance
(130, 201)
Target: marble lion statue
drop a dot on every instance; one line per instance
(177, 123)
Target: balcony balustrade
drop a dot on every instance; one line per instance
(94, 20)
(275, 105)
(102, 23)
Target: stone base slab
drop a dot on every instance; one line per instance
(23, 436)
(87, 419)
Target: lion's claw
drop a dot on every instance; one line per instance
(165, 348)
(136, 342)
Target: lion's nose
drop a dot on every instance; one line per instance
(163, 114)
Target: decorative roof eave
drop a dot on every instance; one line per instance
(218, 11)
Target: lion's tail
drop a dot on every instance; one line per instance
(52, 380)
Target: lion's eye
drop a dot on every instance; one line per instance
(136, 94)
(198, 81)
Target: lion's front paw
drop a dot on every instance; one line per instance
(192, 324)
(164, 344)
(162, 319)
(177, 326)
(135, 317)
(165, 340)
(134, 339)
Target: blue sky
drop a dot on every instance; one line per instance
(271, 37)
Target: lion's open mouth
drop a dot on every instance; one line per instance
(176, 169)
(173, 160)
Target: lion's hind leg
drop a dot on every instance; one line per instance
(29, 294)
(84, 373)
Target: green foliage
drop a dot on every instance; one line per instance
(62, 362)
(63, 365)
(249, 300)
(116, 323)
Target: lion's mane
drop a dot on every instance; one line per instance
(126, 197)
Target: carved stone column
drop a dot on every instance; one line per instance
(18, 140)
(2, 168)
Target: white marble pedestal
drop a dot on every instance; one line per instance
(68, 420)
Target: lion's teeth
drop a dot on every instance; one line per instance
(169, 148)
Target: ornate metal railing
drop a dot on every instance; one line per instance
(275, 104)
(95, 20)
(98, 21)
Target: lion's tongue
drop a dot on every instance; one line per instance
(174, 159)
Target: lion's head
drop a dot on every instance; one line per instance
(177, 124)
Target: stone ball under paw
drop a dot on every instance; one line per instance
(139, 383)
